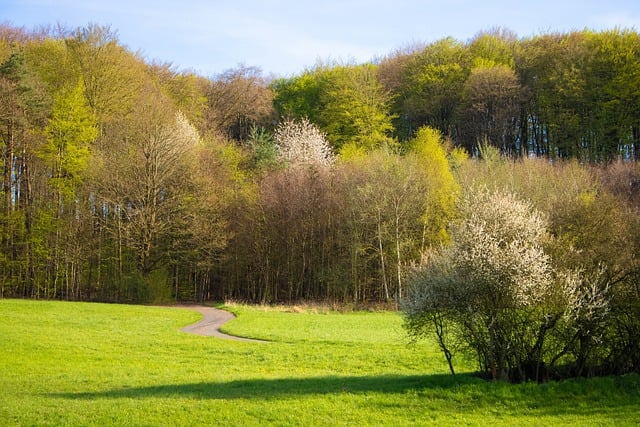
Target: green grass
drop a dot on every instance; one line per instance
(97, 364)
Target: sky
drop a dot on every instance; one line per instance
(283, 37)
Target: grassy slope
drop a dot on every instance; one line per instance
(95, 364)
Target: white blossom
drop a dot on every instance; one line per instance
(301, 142)
(586, 301)
(498, 246)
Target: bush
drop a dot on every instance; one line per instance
(488, 287)
(493, 295)
(588, 323)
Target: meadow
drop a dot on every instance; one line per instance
(65, 363)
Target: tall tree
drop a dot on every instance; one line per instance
(112, 76)
(144, 176)
(299, 96)
(612, 78)
(238, 100)
(186, 89)
(65, 154)
(439, 187)
(71, 129)
(23, 108)
(432, 88)
(355, 108)
(494, 47)
(492, 99)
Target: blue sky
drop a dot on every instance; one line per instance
(285, 36)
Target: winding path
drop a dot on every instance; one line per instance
(213, 318)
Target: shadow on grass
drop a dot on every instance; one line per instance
(614, 397)
(282, 387)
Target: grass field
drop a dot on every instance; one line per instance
(97, 364)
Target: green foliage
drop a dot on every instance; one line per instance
(70, 131)
(352, 151)
(153, 288)
(185, 89)
(355, 108)
(112, 75)
(347, 102)
(264, 150)
(457, 158)
(495, 47)
(299, 97)
(431, 90)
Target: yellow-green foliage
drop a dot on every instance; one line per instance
(71, 129)
(51, 61)
(352, 151)
(458, 157)
(355, 108)
(429, 150)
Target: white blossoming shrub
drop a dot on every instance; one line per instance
(302, 143)
(492, 294)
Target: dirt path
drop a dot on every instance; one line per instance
(213, 319)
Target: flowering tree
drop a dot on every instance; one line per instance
(301, 142)
(494, 295)
(485, 292)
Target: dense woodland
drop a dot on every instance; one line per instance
(128, 180)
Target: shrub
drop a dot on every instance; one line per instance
(493, 294)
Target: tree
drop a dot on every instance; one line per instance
(238, 100)
(70, 131)
(492, 97)
(199, 238)
(355, 108)
(432, 88)
(300, 142)
(23, 109)
(612, 76)
(552, 68)
(488, 286)
(440, 189)
(264, 151)
(186, 90)
(494, 47)
(51, 60)
(145, 178)
(298, 97)
(597, 239)
(347, 102)
(112, 76)
(398, 205)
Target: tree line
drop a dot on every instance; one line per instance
(124, 180)
(559, 95)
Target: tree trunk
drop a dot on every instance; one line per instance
(383, 267)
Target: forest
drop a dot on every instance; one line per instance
(125, 180)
